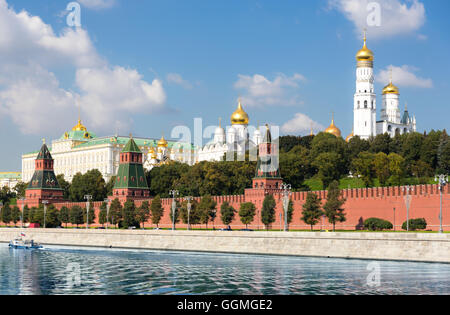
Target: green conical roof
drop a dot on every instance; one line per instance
(44, 153)
(131, 146)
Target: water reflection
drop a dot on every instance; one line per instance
(157, 272)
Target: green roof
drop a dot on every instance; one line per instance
(44, 180)
(131, 176)
(131, 146)
(44, 153)
(10, 175)
(78, 135)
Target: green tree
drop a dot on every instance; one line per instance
(363, 166)
(194, 214)
(103, 214)
(296, 166)
(76, 215)
(381, 165)
(268, 211)
(20, 189)
(207, 209)
(312, 210)
(381, 143)
(90, 183)
(443, 154)
(333, 206)
(129, 215)
(247, 213)
(16, 215)
(397, 169)
(290, 212)
(227, 213)
(64, 215)
(110, 185)
(356, 145)
(65, 185)
(6, 214)
(328, 166)
(115, 212)
(143, 213)
(52, 217)
(429, 150)
(157, 210)
(26, 214)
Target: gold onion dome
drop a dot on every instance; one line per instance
(365, 54)
(390, 89)
(79, 126)
(162, 143)
(350, 136)
(239, 117)
(333, 129)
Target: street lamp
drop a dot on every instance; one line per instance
(407, 189)
(45, 203)
(108, 205)
(23, 205)
(173, 193)
(88, 199)
(1, 207)
(443, 181)
(286, 193)
(188, 206)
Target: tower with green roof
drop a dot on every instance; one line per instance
(43, 184)
(130, 182)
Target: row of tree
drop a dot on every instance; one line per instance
(203, 212)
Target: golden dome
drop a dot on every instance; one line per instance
(365, 54)
(163, 143)
(350, 136)
(390, 89)
(79, 127)
(239, 117)
(333, 129)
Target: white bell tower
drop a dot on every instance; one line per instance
(364, 108)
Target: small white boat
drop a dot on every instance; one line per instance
(20, 243)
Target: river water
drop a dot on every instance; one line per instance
(71, 270)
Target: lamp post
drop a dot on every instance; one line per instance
(188, 206)
(45, 203)
(23, 205)
(443, 181)
(407, 189)
(1, 207)
(286, 193)
(173, 193)
(88, 199)
(108, 206)
(394, 219)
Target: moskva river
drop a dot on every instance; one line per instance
(69, 270)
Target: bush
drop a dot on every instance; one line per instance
(415, 224)
(375, 224)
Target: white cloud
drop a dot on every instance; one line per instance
(108, 94)
(301, 124)
(31, 94)
(176, 78)
(398, 17)
(403, 76)
(260, 91)
(98, 4)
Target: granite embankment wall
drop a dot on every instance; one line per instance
(384, 202)
(423, 247)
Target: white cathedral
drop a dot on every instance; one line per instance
(365, 124)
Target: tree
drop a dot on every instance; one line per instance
(16, 215)
(290, 212)
(268, 211)
(143, 213)
(129, 215)
(375, 224)
(381, 165)
(333, 207)
(312, 211)
(381, 143)
(328, 166)
(110, 185)
(103, 214)
(26, 214)
(247, 213)
(52, 217)
(363, 166)
(91, 214)
(65, 185)
(115, 212)
(356, 145)
(6, 214)
(227, 213)
(90, 183)
(76, 215)
(192, 217)
(207, 209)
(64, 215)
(157, 210)
(296, 166)
(20, 189)
(443, 154)
(397, 169)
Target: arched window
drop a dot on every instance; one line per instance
(365, 104)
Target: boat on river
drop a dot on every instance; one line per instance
(20, 243)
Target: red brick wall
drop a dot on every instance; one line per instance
(361, 204)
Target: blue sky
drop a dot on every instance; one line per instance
(147, 66)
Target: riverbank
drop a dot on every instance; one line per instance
(375, 246)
